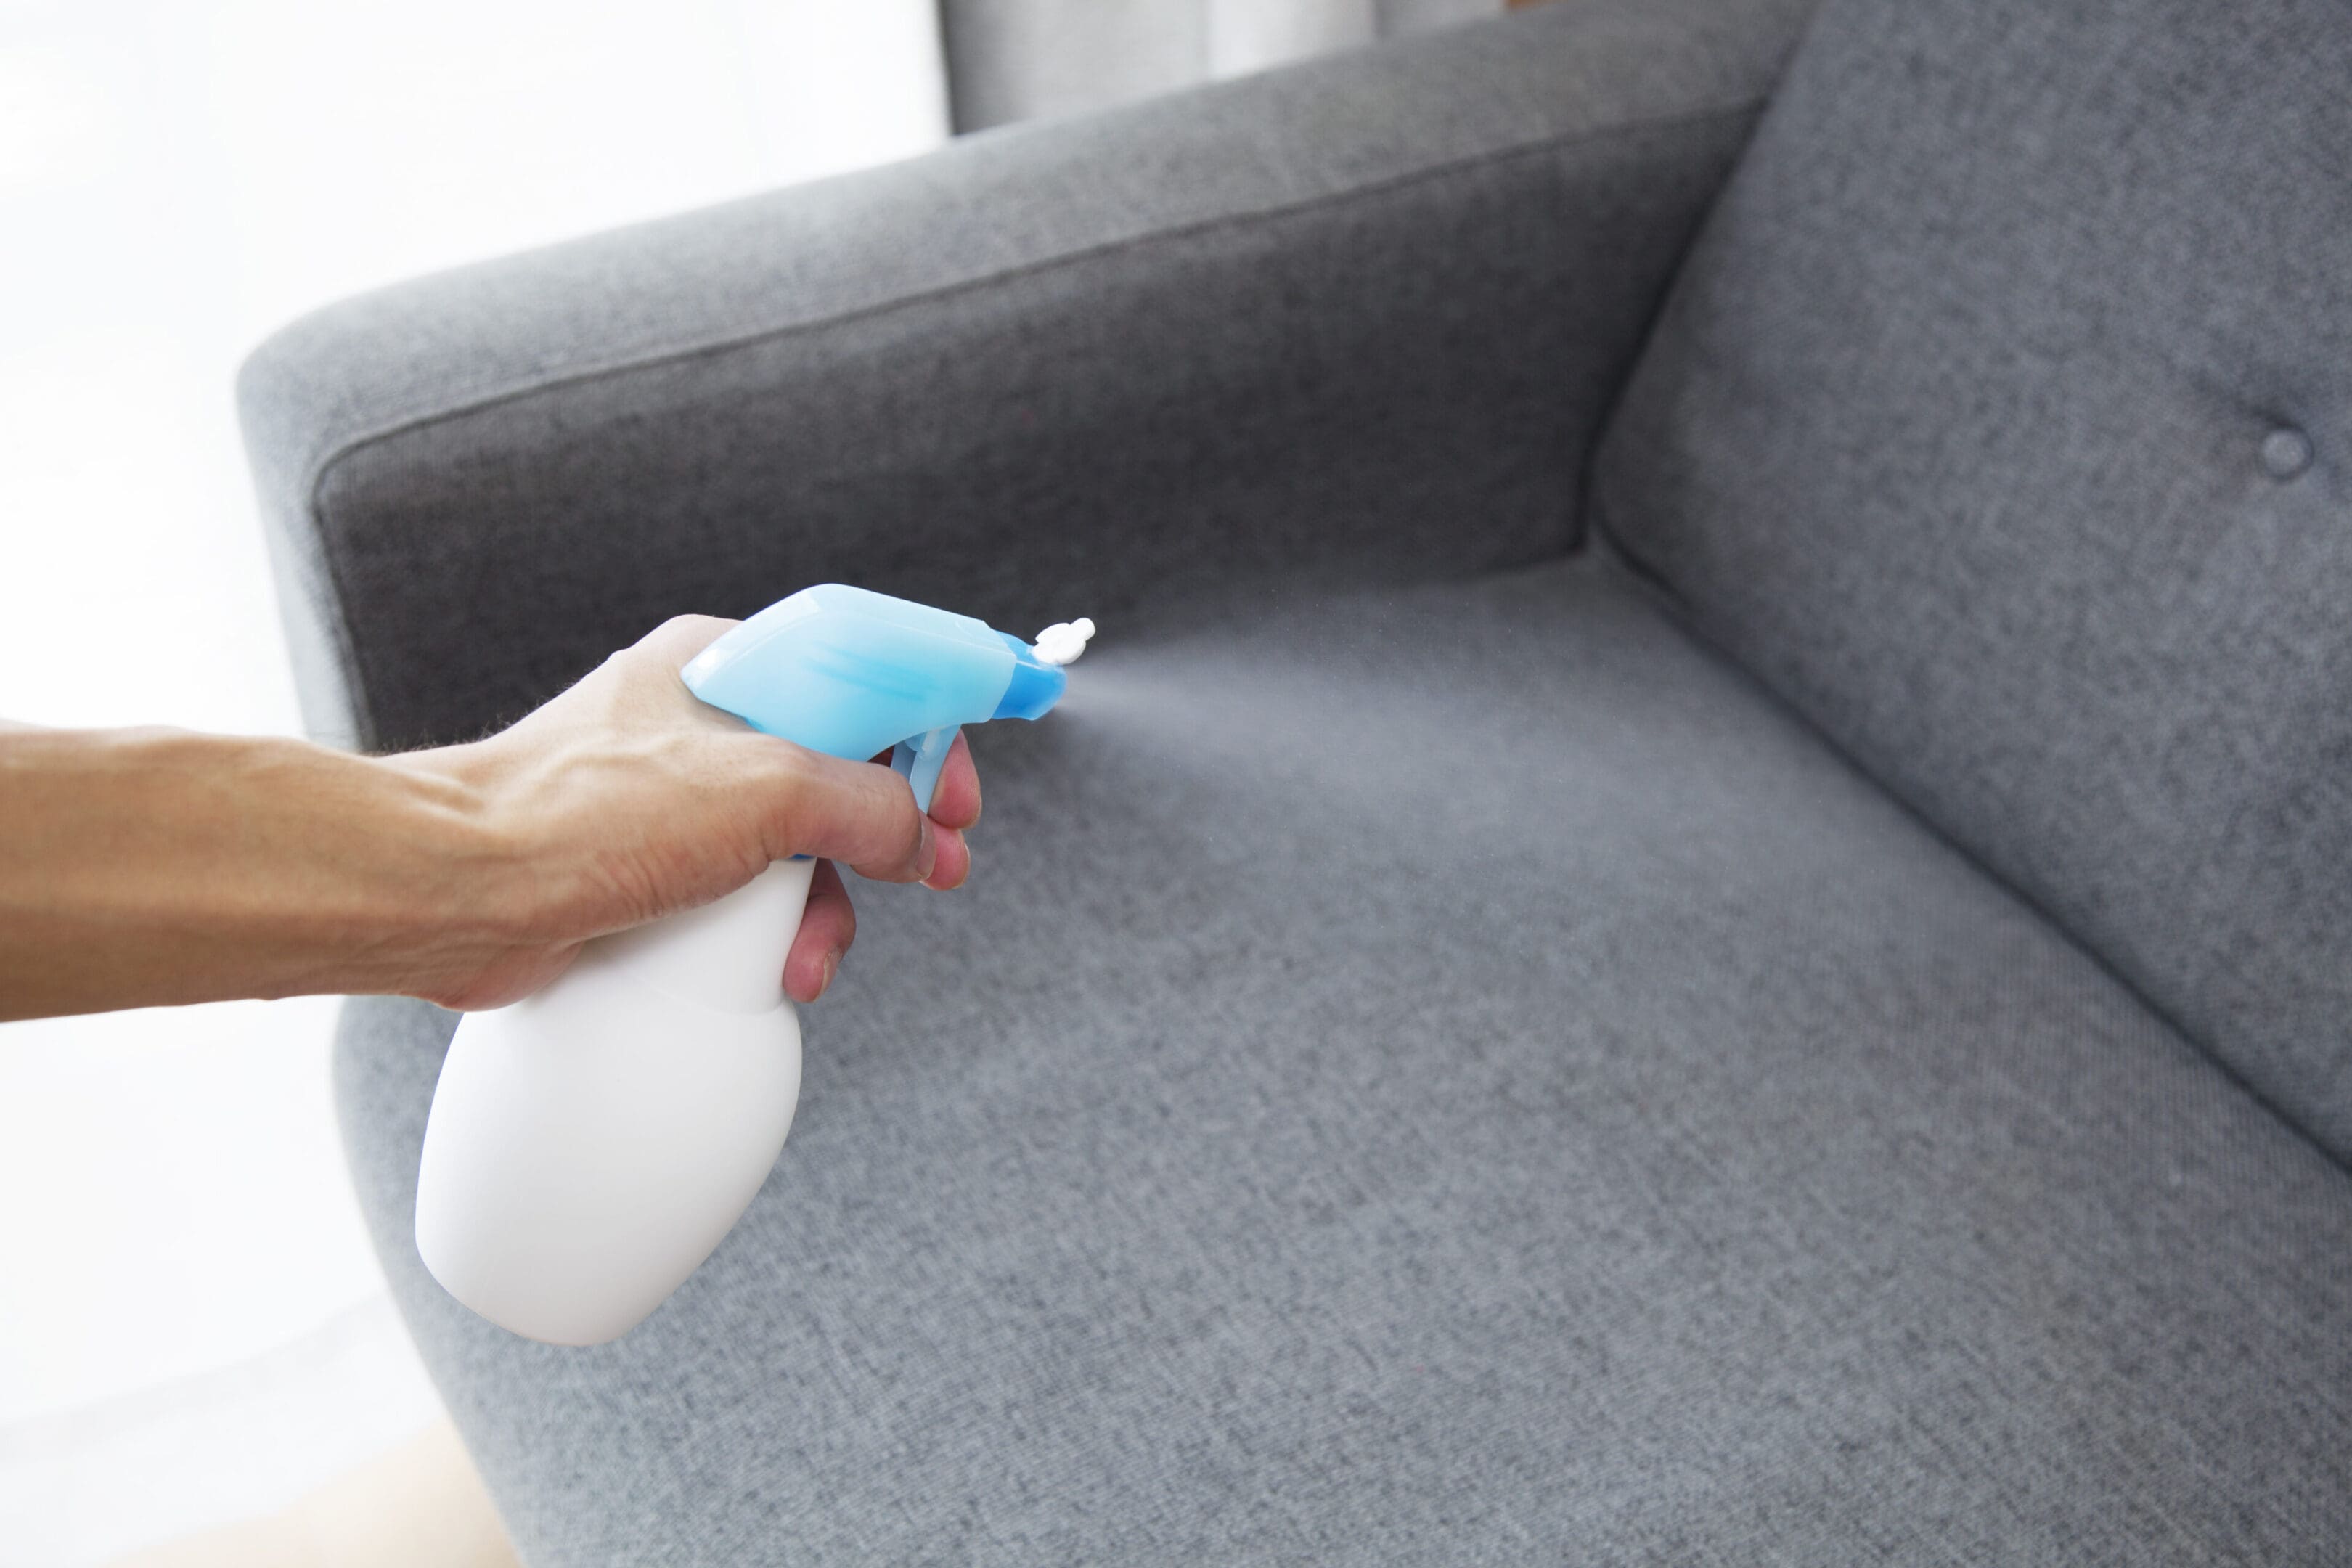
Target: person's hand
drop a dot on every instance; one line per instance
(626, 800)
(146, 868)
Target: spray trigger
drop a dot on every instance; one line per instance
(919, 760)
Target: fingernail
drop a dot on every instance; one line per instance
(831, 968)
(926, 853)
(945, 887)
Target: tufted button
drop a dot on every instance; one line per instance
(2286, 452)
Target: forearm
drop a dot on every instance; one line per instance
(142, 867)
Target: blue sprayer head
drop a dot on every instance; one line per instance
(855, 673)
(589, 1145)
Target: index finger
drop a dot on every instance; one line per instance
(859, 813)
(955, 802)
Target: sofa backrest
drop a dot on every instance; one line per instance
(2000, 422)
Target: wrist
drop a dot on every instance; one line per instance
(378, 876)
(481, 867)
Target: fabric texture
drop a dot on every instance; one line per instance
(1452, 1074)
(1360, 318)
(2000, 422)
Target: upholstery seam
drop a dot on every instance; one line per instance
(1682, 616)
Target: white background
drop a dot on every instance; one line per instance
(191, 1327)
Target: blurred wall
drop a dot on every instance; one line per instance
(1022, 59)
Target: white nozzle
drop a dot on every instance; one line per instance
(1064, 640)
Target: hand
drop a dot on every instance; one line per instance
(147, 867)
(624, 800)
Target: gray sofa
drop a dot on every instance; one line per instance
(1697, 907)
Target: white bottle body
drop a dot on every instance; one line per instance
(589, 1146)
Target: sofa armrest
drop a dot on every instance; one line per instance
(1358, 318)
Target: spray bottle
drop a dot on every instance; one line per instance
(589, 1145)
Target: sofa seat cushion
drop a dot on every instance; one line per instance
(1457, 1075)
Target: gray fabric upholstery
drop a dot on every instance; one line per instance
(1963, 432)
(1451, 1076)
(1360, 317)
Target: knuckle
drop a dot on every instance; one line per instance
(680, 637)
(788, 789)
(696, 626)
